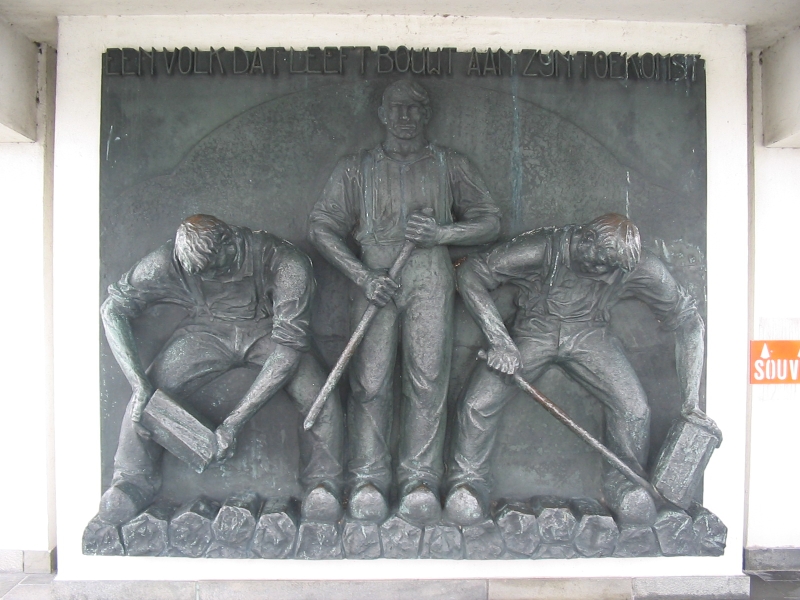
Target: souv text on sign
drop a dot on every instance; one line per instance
(775, 361)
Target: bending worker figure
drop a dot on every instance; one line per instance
(248, 297)
(405, 189)
(568, 280)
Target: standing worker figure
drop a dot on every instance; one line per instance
(405, 189)
(568, 279)
(248, 298)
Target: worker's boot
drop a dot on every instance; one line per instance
(123, 501)
(464, 506)
(321, 504)
(420, 505)
(630, 503)
(367, 503)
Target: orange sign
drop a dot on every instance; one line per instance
(775, 361)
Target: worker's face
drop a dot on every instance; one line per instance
(404, 117)
(223, 258)
(219, 262)
(592, 257)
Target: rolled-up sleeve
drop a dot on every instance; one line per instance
(291, 298)
(472, 200)
(152, 280)
(519, 259)
(335, 209)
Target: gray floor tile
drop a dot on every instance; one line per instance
(560, 589)
(124, 590)
(774, 590)
(30, 592)
(686, 588)
(8, 581)
(38, 579)
(341, 590)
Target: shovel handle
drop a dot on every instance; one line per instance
(355, 339)
(587, 437)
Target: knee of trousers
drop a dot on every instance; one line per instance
(632, 407)
(364, 392)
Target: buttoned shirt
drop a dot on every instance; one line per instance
(371, 195)
(270, 284)
(551, 286)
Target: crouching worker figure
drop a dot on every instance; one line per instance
(248, 297)
(568, 279)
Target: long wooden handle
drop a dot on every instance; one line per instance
(587, 437)
(355, 339)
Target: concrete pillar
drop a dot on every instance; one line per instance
(27, 475)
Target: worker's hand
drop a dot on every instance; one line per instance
(141, 395)
(139, 398)
(226, 440)
(379, 288)
(423, 230)
(504, 358)
(692, 413)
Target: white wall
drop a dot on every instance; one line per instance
(27, 503)
(81, 42)
(775, 409)
(18, 69)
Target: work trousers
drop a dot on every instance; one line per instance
(199, 353)
(589, 354)
(420, 319)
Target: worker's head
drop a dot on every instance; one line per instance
(609, 242)
(203, 244)
(405, 109)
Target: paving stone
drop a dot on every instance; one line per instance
(276, 529)
(190, 527)
(711, 533)
(319, 541)
(124, 590)
(555, 551)
(11, 561)
(596, 533)
(361, 539)
(518, 528)
(678, 472)
(236, 520)
(685, 588)
(148, 533)
(342, 590)
(675, 533)
(560, 589)
(219, 549)
(442, 541)
(555, 519)
(174, 428)
(400, 539)
(102, 539)
(483, 541)
(636, 540)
